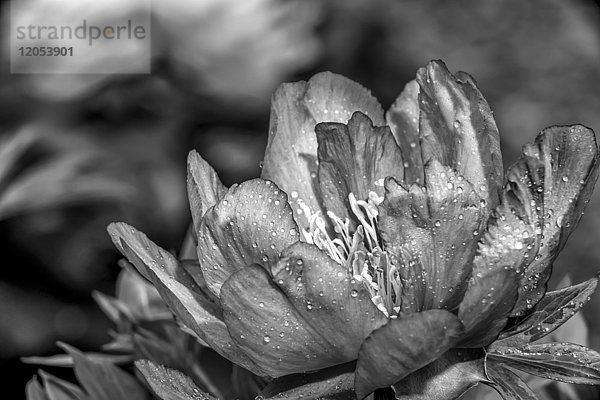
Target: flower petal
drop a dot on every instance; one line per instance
(403, 346)
(448, 377)
(456, 126)
(403, 120)
(252, 224)
(352, 158)
(179, 291)
(430, 231)
(327, 297)
(559, 171)
(269, 329)
(296, 109)
(488, 300)
(204, 187)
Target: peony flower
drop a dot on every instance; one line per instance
(389, 243)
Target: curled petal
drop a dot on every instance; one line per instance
(331, 301)
(270, 330)
(402, 346)
(352, 159)
(203, 185)
(556, 175)
(296, 109)
(194, 309)
(429, 231)
(456, 126)
(252, 224)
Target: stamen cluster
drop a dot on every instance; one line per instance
(357, 245)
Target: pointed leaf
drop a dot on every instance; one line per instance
(103, 380)
(65, 360)
(58, 389)
(34, 390)
(404, 345)
(170, 384)
(555, 308)
(141, 298)
(113, 308)
(507, 383)
(565, 362)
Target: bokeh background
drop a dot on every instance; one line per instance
(80, 151)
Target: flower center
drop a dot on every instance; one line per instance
(360, 249)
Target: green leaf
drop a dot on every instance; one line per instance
(65, 360)
(555, 308)
(507, 383)
(565, 362)
(103, 380)
(34, 390)
(335, 383)
(170, 384)
(58, 389)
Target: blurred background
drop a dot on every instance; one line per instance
(80, 151)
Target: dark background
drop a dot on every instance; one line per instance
(80, 151)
